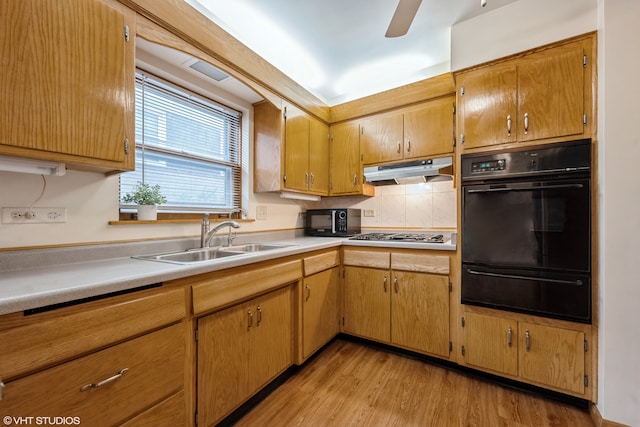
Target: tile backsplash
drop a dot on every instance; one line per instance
(428, 205)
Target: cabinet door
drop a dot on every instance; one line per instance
(296, 149)
(272, 346)
(552, 356)
(491, 343)
(487, 106)
(420, 312)
(223, 362)
(382, 138)
(320, 310)
(64, 82)
(318, 158)
(345, 165)
(367, 303)
(428, 129)
(551, 94)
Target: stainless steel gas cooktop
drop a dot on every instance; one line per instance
(400, 237)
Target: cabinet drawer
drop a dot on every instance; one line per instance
(169, 412)
(423, 263)
(221, 291)
(367, 259)
(317, 263)
(37, 344)
(155, 369)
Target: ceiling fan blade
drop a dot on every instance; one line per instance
(402, 18)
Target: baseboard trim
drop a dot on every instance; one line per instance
(601, 422)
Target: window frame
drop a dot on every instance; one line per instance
(167, 211)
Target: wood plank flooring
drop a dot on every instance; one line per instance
(350, 384)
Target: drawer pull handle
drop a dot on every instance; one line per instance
(308, 292)
(259, 309)
(105, 381)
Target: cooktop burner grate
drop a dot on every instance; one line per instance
(400, 237)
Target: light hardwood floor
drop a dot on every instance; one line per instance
(350, 384)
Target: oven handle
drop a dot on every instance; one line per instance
(536, 279)
(528, 188)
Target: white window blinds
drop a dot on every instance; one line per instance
(188, 145)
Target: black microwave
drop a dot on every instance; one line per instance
(332, 222)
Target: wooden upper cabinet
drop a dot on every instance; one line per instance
(345, 165)
(381, 138)
(411, 133)
(428, 129)
(67, 82)
(291, 150)
(543, 95)
(296, 153)
(487, 106)
(318, 157)
(551, 93)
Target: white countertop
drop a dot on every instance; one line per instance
(36, 287)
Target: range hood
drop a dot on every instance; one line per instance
(417, 171)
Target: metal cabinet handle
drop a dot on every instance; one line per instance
(355, 179)
(259, 310)
(509, 336)
(408, 146)
(249, 319)
(527, 340)
(306, 178)
(395, 284)
(509, 125)
(105, 381)
(526, 123)
(399, 147)
(313, 178)
(308, 292)
(384, 283)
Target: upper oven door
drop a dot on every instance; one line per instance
(537, 224)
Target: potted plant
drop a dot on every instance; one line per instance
(147, 197)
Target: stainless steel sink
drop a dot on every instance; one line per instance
(196, 255)
(254, 247)
(191, 256)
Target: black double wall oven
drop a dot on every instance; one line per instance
(526, 230)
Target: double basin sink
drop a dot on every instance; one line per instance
(196, 255)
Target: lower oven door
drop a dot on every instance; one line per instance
(551, 294)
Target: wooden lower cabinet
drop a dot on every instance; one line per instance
(410, 309)
(420, 312)
(239, 350)
(553, 356)
(544, 355)
(107, 387)
(320, 313)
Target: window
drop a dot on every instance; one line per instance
(188, 145)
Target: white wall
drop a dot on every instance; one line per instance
(519, 26)
(618, 110)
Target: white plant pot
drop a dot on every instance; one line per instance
(147, 212)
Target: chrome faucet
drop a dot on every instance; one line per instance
(206, 235)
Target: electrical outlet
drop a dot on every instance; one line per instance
(33, 215)
(369, 212)
(261, 212)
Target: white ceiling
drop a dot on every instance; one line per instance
(336, 49)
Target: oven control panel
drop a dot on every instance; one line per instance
(488, 165)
